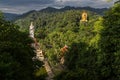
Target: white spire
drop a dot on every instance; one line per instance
(31, 30)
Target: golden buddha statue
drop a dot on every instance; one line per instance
(84, 17)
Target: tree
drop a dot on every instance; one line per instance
(1, 15)
(15, 53)
(110, 44)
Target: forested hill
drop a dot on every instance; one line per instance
(97, 10)
(52, 16)
(75, 49)
(10, 16)
(66, 8)
(55, 29)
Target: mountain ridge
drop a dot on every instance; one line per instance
(52, 9)
(13, 16)
(10, 16)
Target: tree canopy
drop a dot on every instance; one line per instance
(15, 53)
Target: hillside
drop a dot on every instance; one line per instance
(10, 16)
(54, 25)
(72, 45)
(13, 17)
(78, 50)
(49, 12)
(56, 29)
(96, 10)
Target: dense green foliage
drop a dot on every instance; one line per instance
(52, 17)
(101, 60)
(52, 29)
(110, 43)
(94, 49)
(16, 54)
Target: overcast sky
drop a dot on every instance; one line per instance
(21, 6)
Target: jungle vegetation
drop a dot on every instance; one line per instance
(93, 48)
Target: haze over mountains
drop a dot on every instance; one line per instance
(11, 16)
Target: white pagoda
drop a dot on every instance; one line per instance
(31, 30)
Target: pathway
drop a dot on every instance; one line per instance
(40, 56)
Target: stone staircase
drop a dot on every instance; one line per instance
(40, 56)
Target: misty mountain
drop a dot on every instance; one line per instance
(10, 16)
(96, 10)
